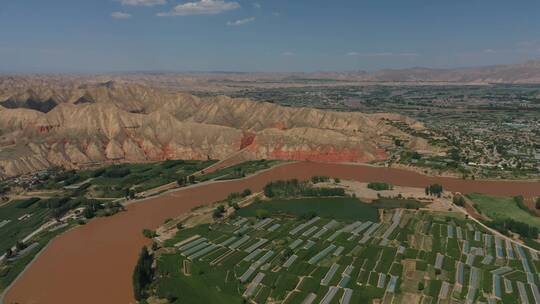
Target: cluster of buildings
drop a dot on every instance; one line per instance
(496, 146)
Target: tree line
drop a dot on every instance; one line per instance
(295, 188)
(377, 186)
(142, 275)
(506, 225)
(434, 189)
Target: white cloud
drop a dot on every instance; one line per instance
(202, 7)
(288, 54)
(256, 5)
(407, 54)
(382, 54)
(241, 21)
(120, 15)
(143, 2)
(526, 43)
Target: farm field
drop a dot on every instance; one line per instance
(498, 207)
(239, 170)
(345, 208)
(410, 256)
(111, 247)
(114, 181)
(75, 190)
(17, 220)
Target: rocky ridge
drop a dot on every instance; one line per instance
(75, 125)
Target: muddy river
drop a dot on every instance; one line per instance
(93, 263)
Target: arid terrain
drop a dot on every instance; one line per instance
(75, 121)
(80, 125)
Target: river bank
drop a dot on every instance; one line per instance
(93, 263)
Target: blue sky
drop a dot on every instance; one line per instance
(263, 35)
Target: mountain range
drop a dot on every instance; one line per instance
(72, 124)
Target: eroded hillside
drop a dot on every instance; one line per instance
(73, 125)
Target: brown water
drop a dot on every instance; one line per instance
(93, 263)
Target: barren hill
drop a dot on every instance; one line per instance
(74, 125)
(45, 91)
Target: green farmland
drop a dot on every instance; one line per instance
(343, 208)
(498, 207)
(26, 225)
(239, 170)
(114, 181)
(410, 256)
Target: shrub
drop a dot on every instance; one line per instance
(181, 181)
(379, 186)
(149, 233)
(27, 203)
(218, 212)
(520, 202)
(116, 172)
(458, 200)
(319, 179)
(142, 275)
(246, 192)
(89, 212)
(20, 245)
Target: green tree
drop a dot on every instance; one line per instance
(218, 212)
(149, 233)
(142, 275)
(458, 200)
(434, 189)
(538, 203)
(89, 212)
(181, 181)
(20, 245)
(246, 192)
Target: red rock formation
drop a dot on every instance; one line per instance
(179, 126)
(323, 154)
(247, 139)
